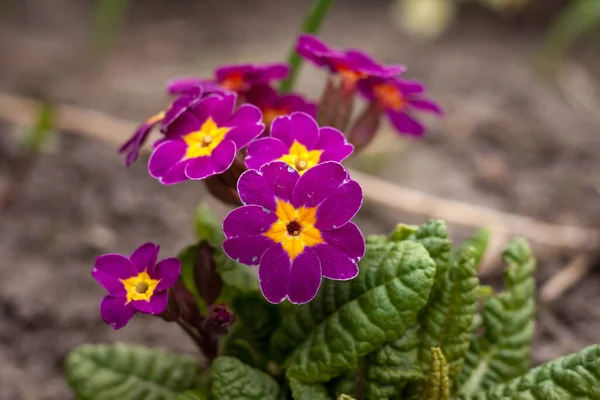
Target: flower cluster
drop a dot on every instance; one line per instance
(278, 158)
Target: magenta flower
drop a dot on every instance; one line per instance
(297, 140)
(241, 77)
(400, 99)
(204, 140)
(134, 284)
(273, 104)
(179, 86)
(296, 228)
(352, 65)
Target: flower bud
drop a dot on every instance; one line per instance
(207, 280)
(365, 128)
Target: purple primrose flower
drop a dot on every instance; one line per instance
(297, 140)
(204, 139)
(400, 99)
(296, 228)
(241, 77)
(179, 86)
(352, 65)
(134, 284)
(273, 104)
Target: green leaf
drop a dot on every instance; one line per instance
(345, 383)
(207, 226)
(479, 242)
(391, 366)
(348, 320)
(438, 384)
(403, 232)
(308, 391)
(193, 395)
(233, 380)
(115, 372)
(448, 319)
(188, 262)
(503, 352)
(344, 397)
(40, 133)
(235, 275)
(576, 376)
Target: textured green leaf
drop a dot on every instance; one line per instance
(207, 226)
(193, 395)
(345, 383)
(115, 372)
(233, 380)
(447, 320)
(437, 386)
(403, 232)
(308, 391)
(362, 314)
(344, 397)
(393, 364)
(503, 352)
(188, 262)
(479, 242)
(235, 275)
(576, 376)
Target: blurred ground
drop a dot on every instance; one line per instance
(510, 141)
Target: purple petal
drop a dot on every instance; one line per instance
(273, 71)
(408, 87)
(297, 126)
(177, 110)
(241, 135)
(224, 72)
(262, 96)
(263, 150)
(175, 174)
(180, 124)
(205, 108)
(247, 250)
(335, 264)
(165, 157)
(426, 105)
(113, 285)
(115, 265)
(281, 179)
(404, 123)
(167, 271)
(115, 312)
(221, 113)
(318, 183)
(156, 305)
(274, 274)
(294, 102)
(246, 114)
(134, 144)
(253, 188)
(144, 257)
(248, 221)
(305, 277)
(340, 206)
(223, 156)
(312, 49)
(334, 145)
(348, 239)
(200, 168)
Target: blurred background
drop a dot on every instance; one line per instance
(519, 81)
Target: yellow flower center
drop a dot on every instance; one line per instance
(300, 158)
(234, 82)
(389, 96)
(294, 228)
(139, 287)
(202, 142)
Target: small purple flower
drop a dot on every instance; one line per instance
(296, 228)
(204, 139)
(241, 77)
(400, 99)
(297, 140)
(179, 86)
(352, 65)
(273, 104)
(134, 284)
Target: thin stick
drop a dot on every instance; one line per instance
(565, 279)
(99, 125)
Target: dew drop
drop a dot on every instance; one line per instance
(266, 210)
(290, 169)
(237, 259)
(254, 258)
(335, 227)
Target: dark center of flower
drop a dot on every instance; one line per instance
(141, 287)
(294, 228)
(301, 164)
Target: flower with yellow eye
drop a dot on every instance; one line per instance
(297, 140)
(134, 284)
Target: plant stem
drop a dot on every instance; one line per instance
(311, 24)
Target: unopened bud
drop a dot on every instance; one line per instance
(365, 128)
(335, 106)
(172, 312)
(207, 280)
(221, 317)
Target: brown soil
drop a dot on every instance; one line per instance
(510, 141)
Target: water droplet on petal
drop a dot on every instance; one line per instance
(266, 210)
(254, 258)
(237, 259)
(335, 227)
(290, 169)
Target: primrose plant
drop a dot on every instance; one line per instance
(286, 299)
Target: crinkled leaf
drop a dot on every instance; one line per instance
(235, 275)
(119, 371)
(447, 320)
(344, 397)
(345, 383)
(207, 226)
(233, 380)
(308, 391)
(503, 352)
(364, 313)
(437, 386)
(393, 364)
(576, 376)
(193, 395)
(479, 242)
(403, 232)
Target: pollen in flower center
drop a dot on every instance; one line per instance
(389, 96)
(300, 158)
(139, 287)
(295, 228)
(142, 287)
(203, 141)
